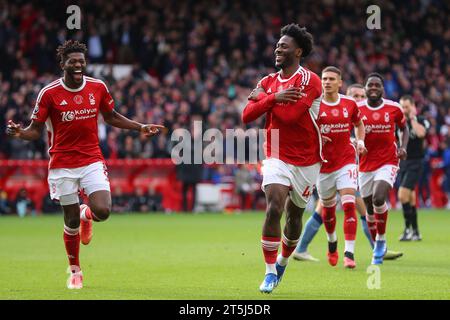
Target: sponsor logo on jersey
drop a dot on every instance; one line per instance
(269, 91)
(337, 127)
(323, 114)
(378, 128)
(63, 103)
(364, 118)
(78, 114)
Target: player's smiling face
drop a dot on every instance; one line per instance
(331, 82)
(374, 88)
(286, 52)
(75, 66)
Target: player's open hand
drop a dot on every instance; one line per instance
(150, 130)
(402, 154)
(288, 95)
(13, 129)
(255, 93)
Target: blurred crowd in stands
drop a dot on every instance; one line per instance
(200, 59)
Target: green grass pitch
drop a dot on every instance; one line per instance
(211, 256)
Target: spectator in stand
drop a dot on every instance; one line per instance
(243, 184)
(121, 202)
(49, 205)
(23, 204)
(4, 203)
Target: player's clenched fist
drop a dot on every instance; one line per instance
(13, 129)
(149, 130)
(288, 95)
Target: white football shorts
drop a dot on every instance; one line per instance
(386, 173)
(301, 179)
(91, 178)
(345, 177)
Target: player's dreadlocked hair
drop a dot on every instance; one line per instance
(68, 47)
(376, 75)
(303, 38)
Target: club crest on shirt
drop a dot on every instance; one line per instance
(91, 99)
(345, 112)
(386, 117)
(78, 99)
(335, 112)
(376, 116)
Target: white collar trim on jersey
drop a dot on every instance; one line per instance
(332, 104)
(284, 80)
(377, 108)
(73, 90)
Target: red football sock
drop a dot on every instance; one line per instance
(372, 225)
(270, 248)
(381, 214)
(72, 243)
(288, 246)
(329, 216)
(348, 204)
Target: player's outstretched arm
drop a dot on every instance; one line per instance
(32, 132)
(115, 119)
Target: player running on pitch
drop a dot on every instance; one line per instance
(378, 168)
(357, 92)
(338, 115)
(290, 101)
(69, 108)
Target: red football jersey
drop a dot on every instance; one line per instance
(299, 137)
(380, 138)
(336, 122)
(71, 117)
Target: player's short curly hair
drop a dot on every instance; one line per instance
(376, 75)
(302, 37)
(70, 46)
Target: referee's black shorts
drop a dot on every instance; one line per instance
(410, 172)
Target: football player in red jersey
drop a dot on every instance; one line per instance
(357, 92)
(290, 101)
(338, 115)
(69, 108)
(378, 168)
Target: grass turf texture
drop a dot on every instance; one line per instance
(211, 256)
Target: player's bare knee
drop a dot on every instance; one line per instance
(72, 222)
(275, 209)
(378, 200)
(101, 213)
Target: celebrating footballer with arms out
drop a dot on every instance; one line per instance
(69, 108)
(290, 101)
(378, 168)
